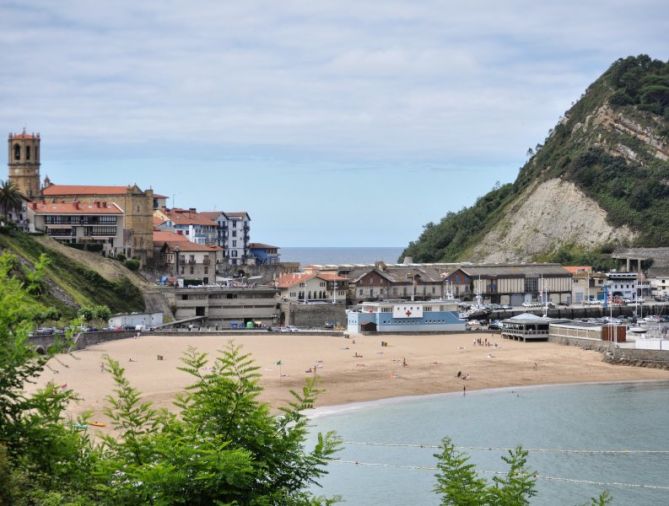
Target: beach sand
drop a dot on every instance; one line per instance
(433, 362)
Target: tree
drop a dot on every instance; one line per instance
(459, 484)
(224, 447)
(10, 197)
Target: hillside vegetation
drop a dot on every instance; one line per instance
(613, 144)
(69, 283)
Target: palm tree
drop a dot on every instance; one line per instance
(10, 197)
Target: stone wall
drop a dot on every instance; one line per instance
(624, 356)
(313, 315)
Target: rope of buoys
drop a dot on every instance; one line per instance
(545, 477)
(503, 449)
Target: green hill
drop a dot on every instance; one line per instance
(70, 282)
(608, 155)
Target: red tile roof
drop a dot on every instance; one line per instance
(189, 218)
(288, 280)
(191, 246)
(160, 236)
(573, 269)
(331, 276)
(75, 208)
(212, 215)
(62, 189)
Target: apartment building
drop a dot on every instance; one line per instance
(100, 223)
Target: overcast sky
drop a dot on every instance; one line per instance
(333, 123)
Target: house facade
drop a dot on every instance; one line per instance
(188, 263)
(264, 254)
(405, 316)
(136, 204)
(198, 228)
(228, 307)
(234, 236)
(512, 284)
(100, 223)
(382, 282)
(312, 287)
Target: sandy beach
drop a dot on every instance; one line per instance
(350, 370)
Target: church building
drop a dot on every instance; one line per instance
(137, 204)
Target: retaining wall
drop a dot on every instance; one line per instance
(612, 354)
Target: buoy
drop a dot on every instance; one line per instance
(97, 424)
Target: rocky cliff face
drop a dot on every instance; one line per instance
(601, 178)
(548, 215)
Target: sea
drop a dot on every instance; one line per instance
(342, 255)
(582, 440)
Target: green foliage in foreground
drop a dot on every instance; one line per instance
(224, 447)
(458, 483)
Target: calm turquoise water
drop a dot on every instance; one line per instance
(308, 256)
(599, 417)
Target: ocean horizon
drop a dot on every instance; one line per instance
(307, 255)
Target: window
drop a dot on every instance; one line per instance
(234, 244)
(17, 152)
(27, 152)
(234, 233)
(192, 269)
(206, 269)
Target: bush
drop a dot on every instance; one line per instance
(132, 264)
(121, 257)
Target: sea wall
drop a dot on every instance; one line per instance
(616, 355)
(92, 338)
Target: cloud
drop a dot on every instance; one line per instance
(340, 84)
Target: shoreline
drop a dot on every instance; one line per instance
(335, 409)
(350, 371)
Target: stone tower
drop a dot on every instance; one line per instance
(24, 163)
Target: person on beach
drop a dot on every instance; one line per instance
(404, 362)
(464, 390)
(102, 367)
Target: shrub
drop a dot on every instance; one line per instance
(132, 264)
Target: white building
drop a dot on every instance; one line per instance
(626, 285)
(311, 287)
(234, 235)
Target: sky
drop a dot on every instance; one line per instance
(333, 123)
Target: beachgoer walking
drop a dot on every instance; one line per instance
(404, 362)
(464, 390)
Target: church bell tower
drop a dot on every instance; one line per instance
(24, 156)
